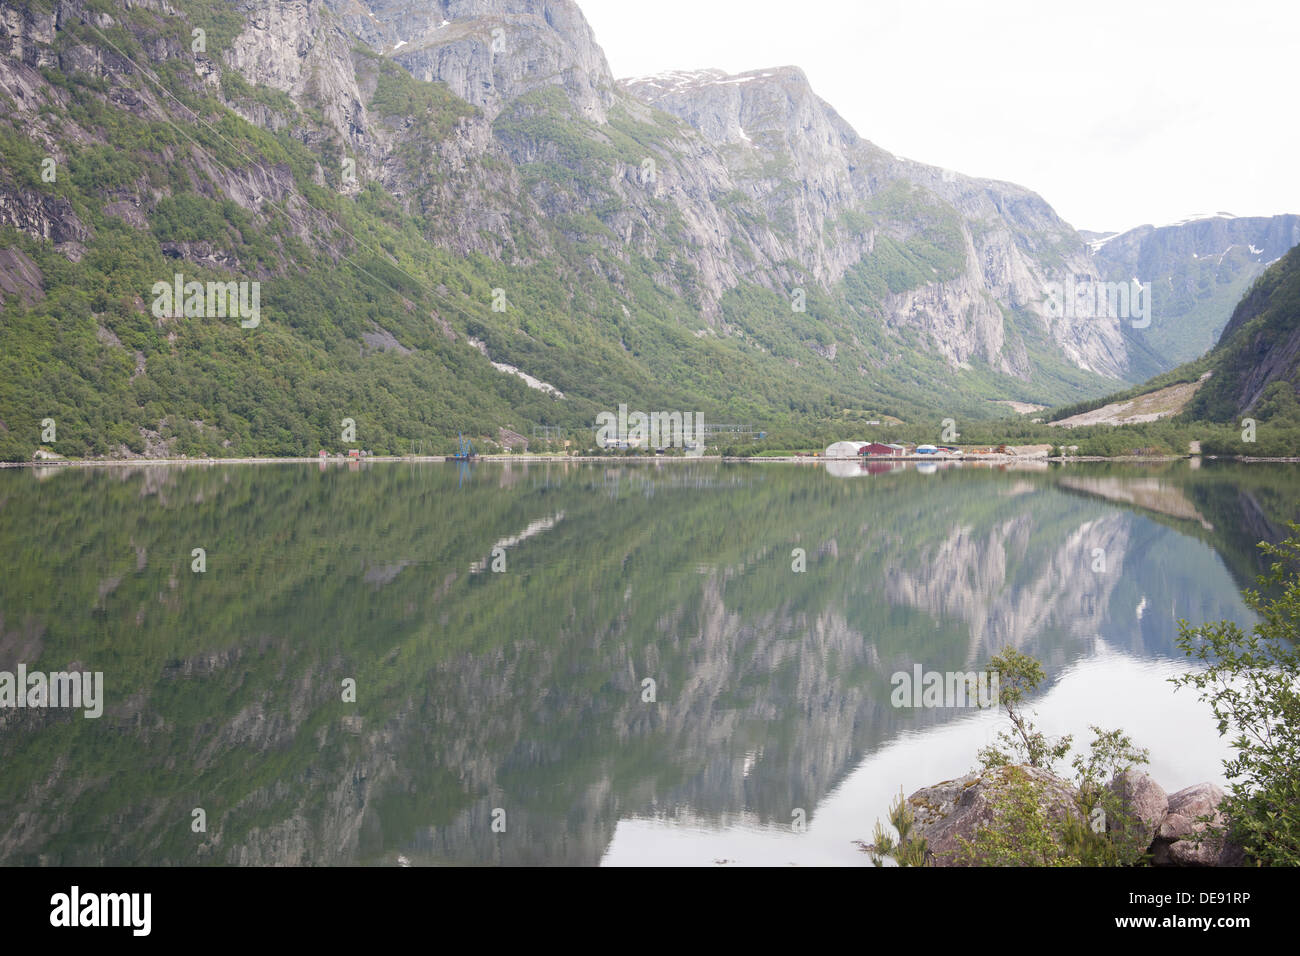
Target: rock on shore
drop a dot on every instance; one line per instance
(954, 810)
(1182, 829)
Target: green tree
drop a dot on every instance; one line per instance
(1021, 831)
(1018, 674)
(1251, 681)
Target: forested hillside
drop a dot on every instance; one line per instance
(403, 238)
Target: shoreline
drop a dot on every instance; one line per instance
(316, 460)
(630, 460)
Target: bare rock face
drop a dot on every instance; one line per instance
(836, 196)
(955, 810)
(1192, 832)
(297, 48)
(1189, 804)
(42, 216)
(20, 275)
(1142, 798)
(489, 51)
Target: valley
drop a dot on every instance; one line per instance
(459, 221)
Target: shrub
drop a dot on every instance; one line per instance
(1252, 683)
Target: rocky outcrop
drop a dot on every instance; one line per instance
(1185, 829)
(1192, 832)
(20, 276)
(42, 216)
(950, 815)
(489, 51)
(833, 195)
(1142, 800)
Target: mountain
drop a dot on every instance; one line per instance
(1255, 368)
(840, 205)
(457, 219)
(489, 52)
(1198, 269)
(1242, 398)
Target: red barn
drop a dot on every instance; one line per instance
(878, 450)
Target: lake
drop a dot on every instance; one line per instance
(507, 663)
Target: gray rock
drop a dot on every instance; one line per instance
(1198, 800)
(1201, 851)
(1142, 799)
(956, 809)
(1188, 809)
(1192, 832)
(1207, 848)
(1176, 826)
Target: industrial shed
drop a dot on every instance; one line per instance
(876, 448)
(845, 449)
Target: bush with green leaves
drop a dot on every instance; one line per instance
(1024, 743)
(1022, 832)
(1251, 681)
(905, 848)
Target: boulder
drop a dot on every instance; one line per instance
(1204, 852)
(1141, 799)
(1188, 809)
(1213, 849)
(956, 809)
(1198, 800)
(1192, 832)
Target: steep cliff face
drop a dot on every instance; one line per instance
(294, 47)
(811, 185)
(833, 194)
(1198, 269)
(488, 51)
(694, 239)
(1256, 365)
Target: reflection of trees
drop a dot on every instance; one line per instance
(518, 690)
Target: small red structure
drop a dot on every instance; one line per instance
(877, 449)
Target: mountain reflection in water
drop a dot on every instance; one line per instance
(501, 625)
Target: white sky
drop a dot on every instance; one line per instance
(1118, 112)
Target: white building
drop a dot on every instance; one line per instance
(845, 449)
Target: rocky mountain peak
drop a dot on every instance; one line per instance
(841, 202)
(778, 103)
(489, 51)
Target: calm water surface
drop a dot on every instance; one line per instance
(518, 695)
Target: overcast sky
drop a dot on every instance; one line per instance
(1118, 112)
